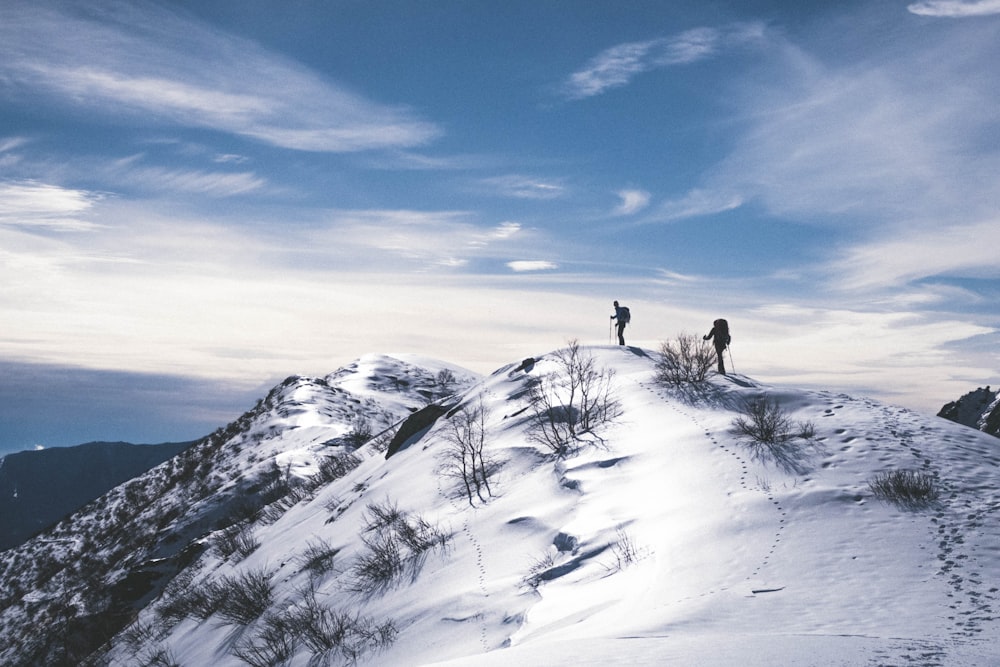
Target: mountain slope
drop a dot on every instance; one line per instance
(37, 488)
(65, 592)
(663, 536)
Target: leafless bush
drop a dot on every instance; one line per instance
(245, 597)
(577, 399)
(464, 457)
(539, 566)
(237, 540)
(909, 489)
(360, 433)
(770, 433)
(272, 644)
(684, 360)
(332, 468)
(446, 380)
(330, 634)
(318, 557)
(624, 550)
(159, 656)
(396, 544)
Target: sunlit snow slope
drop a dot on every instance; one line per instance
(665, 541)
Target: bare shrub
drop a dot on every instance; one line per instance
(909, 489)
(330, 634)
(688, 359)
(360, 433)
(624, 550)
(159, 656)
(577, 399)
(245, 597)
(318, 557)
(539, 566)
(273, 643)
(446, 380)
(236, 540)
(396, 544)
(464, 458)
(770, 433)
(332, 468)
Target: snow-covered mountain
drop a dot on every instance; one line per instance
(979, 409)
(39, 487)
(566, 510)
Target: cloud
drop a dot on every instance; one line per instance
(42, 205)
(955, 8)
(217, 184)
(618, 65)
(524, 187)
(10, 143)
(632, 201)
(894, 139)
(697, 203)
(967, 250)
(168, 68)
(531, 265)
(406, 240)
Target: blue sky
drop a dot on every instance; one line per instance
(199, 199)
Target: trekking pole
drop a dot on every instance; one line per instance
(611, 332)
(731, 364)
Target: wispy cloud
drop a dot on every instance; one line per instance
(955, 8)
(400, 240)
(216, 184)
(169, 68)
(524, 187)
(967, 250)
(696, 203)
(42, 205)
(632, 201)
(10, 143)
(618, 65)
(524, 265)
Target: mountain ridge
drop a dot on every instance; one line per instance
(660, 533)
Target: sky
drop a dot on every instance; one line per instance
(200, 199)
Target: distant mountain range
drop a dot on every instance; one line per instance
(37, 488)
(979, 409)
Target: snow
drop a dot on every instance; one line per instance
(666, 543)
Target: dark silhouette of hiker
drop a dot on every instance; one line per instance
(720, 332)
(623, 316)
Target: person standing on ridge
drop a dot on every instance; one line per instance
(623, 316)
(720, 331)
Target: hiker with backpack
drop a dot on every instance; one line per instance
(623, 316)
(720, 332)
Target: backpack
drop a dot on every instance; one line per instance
(624, 316)
(722, 330)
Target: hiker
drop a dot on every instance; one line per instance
(623, 316)
(720, 331)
